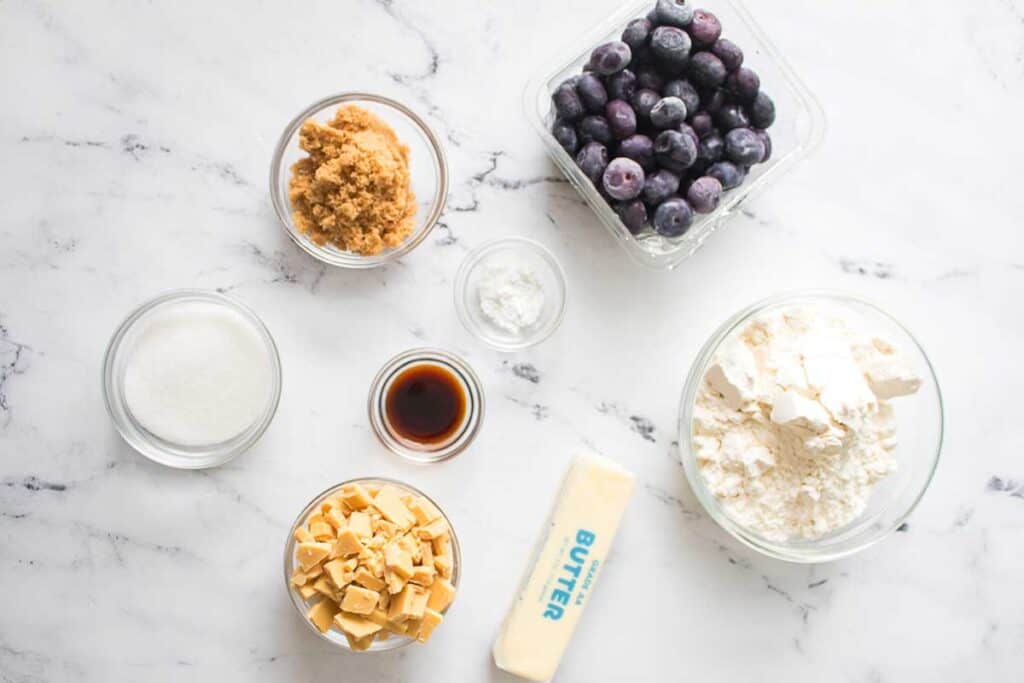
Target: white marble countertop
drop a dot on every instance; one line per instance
(136, 139)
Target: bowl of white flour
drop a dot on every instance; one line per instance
(810, 426)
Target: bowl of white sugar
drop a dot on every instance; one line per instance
(810, 426)
(192, 379)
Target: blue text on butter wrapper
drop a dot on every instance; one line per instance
(577, 557)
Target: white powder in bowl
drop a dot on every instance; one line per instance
(511, 297)
(198, 374)
(793, 426)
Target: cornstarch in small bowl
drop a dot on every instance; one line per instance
(511, 296)
(510, 293)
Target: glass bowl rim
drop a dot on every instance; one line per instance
(474, 411)
(474, 258)
(151, 449)
(782, 550)
(289, 558)
(345, 259)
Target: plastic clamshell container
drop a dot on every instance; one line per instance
(798, 129)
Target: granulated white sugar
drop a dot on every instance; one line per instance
(198, 374)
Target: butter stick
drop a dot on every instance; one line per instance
(551, 599)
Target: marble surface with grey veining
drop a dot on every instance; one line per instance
(135, 141)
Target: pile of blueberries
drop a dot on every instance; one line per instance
(676, 112)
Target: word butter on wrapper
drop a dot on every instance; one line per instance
(578, 535)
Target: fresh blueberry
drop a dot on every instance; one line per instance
(636, 33)
(593, 128)
(762, 111)
(623, 178)
(713, 100)
(621, 118)
(652, 16)
(729, 52)
(698, 169)
(710, 150)
(701, 123)
(633, 215)
(643, 100)
(592, 93)
(766, 140)
(674, 12)
(567, 103)
(684, 91)
(671, 45)
(621, 85)
(565, 133)
(687, 129)
(640, 149)
(647, 76)
(592, 160)
(704, 194)
(673, 217)
(707, 70)
(659, 186)
(610, 58)
(731, 116)
(705, 28)
(668, 112)
(728, 174)
(743, 84)
(642, 56)
(674, 150)
(742, 146)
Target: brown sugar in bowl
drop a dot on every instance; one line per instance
(366, 211)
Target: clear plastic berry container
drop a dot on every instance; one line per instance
(799, 126)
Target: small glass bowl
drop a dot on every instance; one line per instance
(428, 170)
(145, 442)
(920, 430)
(798, 129)
(411, 450)
(515, 250)
(334, 636)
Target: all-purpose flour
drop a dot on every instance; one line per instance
(793, 426)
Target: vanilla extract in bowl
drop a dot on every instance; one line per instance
(426, 404)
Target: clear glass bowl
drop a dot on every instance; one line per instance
(411, 450)
(510, 250)
(428, 170)
(798, 129)
(334, 636)
(142, 440)
(920, 429)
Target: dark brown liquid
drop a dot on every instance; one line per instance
(425, 404)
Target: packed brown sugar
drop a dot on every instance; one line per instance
(353, 190)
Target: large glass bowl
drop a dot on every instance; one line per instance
(157, 449)
(919, 419)
(798, 129)
(333, 635)
(428, 170)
